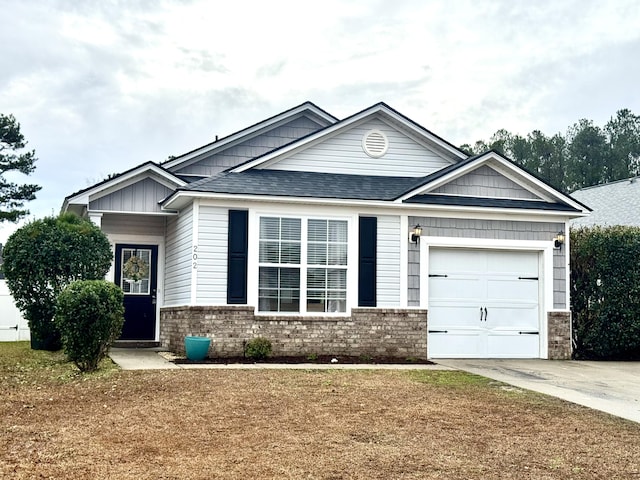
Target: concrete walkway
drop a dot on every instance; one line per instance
(612, 387)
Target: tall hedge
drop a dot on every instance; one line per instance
(605, 292)
(42, 258)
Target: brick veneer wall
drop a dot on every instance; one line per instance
(559, 334)
(388, 332)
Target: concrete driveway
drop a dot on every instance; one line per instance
(612, 387)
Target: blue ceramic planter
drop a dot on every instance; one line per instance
(197, 348)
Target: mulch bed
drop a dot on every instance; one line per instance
(320, 359)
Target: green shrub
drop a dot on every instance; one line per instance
(258, 348)
(90, 315)
(605, 292)
(42, 258)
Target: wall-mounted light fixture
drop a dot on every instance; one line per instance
(414, 237)
(558, 240)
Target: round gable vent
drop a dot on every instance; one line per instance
(375, 143)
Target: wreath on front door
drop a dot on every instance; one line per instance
(135, 269)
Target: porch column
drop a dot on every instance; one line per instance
(96, 218)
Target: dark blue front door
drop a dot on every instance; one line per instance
(137, 274)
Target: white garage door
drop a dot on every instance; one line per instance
(483, 304)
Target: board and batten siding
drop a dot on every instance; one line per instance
(388, 262)
(212, 255)
(142, 196)
(251, 148)
(133, 225)
(178, 266)
(343, 154)
(485, 182)
(490, 229)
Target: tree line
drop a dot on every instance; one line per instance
(587, 155)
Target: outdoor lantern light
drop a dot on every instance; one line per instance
(415, 233)
(558, 240)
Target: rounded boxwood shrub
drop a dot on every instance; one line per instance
(258, 348)
(90, 315)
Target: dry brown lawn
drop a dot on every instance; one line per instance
(242, 424)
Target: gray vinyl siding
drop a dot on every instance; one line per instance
(388, 262)
(491, 229)
(133, 225)
(485, 182)
(251, 148)
(142, 196)
(343, 154)
(212, 255)
(178, 265)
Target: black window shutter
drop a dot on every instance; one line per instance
(238, 244)
(367, 248)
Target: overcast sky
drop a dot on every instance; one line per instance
(101, 86)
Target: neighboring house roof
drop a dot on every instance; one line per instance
(614, 203)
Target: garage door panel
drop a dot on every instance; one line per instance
(512, 317)
(465, 344)
(512, 289)
(463, 261)
(456, 287)
(511, 345)
(459, 316)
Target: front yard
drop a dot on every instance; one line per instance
(228, 424)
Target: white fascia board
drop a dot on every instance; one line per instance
(122, 181)
(247, 133)
(349, 123)
(181, 198)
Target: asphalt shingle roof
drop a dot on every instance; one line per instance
(615, 203)
(307, 184)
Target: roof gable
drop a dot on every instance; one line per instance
(381, 115)
(488, 179)
(252, 141)
(159, 176)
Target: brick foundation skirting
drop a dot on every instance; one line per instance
(376, 332)
(559, 334)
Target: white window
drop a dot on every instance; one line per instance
(293, 277)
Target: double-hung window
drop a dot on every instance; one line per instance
(302, 265)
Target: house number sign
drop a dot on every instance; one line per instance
(194, 257)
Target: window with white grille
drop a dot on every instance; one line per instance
(293, 277)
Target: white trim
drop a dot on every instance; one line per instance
(450, 210)
(143, 240)
(404, 262)
(165, 213)
(195, 239)
(545, 248)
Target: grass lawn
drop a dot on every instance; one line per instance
(244, 424)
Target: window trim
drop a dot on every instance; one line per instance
(304, 217)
